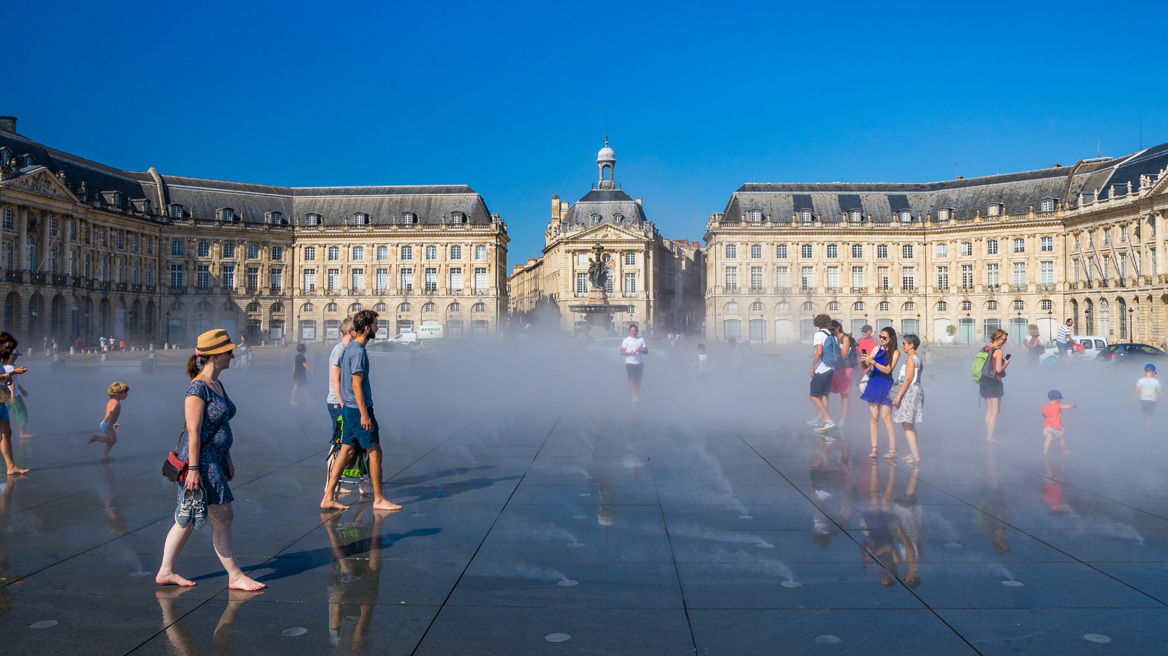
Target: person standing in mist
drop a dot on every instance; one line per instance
(360, 425)
(7, 347)
(821, 373)
(634, 350)
(880, 367)
(841, 380)
(910, 398)
(993, 391)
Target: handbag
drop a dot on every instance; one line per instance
(175, 468)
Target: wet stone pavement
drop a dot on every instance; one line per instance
(568, 531)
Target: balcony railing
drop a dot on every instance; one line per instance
(177, 290)
(833, 290)
(782, 290)
(857, 290)
(993, 288)
(807, 290)
(1046, 288)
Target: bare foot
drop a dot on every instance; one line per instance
(173, 579)
(92, 439)
(170, 593)
(16, 471)
(332, 504)
(992, 440)
(344, 490)
(245, 583)
(25, 436)
(385, 504)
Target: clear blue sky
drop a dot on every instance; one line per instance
(510, 99)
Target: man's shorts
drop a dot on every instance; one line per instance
(1148, 406)
(841, 381)
(1062, 347)
(354, 434)
(821, 383)
(635, 371)
(334, 411)
(1052, 432)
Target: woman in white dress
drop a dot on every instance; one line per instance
(910, 399)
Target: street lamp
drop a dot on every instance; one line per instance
(1130, 319)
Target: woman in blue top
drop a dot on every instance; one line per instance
(208, 412)
(880, 367)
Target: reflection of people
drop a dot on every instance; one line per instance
(887, 543)
(1148, 387)
(991, 514)
(182, 641)
(910, 398)
(992, 389)
(880, 367)
(109, 425)
(634, 348)
(208, 412)
(355, 577)
(107, 492)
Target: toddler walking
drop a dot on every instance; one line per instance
(109, 426)
(703, 363)
(1053, 426)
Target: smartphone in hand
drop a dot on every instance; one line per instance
(1008, 356)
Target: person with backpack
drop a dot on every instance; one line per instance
(989, 367)
(841, 380)
(876, 392)
(823, 365)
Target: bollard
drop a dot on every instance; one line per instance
(72, 350)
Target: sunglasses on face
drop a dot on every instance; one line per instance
(884, 338)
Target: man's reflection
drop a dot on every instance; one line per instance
(182, 641)
(887, 544)
(355, 578)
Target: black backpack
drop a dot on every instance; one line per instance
(851, 360)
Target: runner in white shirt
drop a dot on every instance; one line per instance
(633, 348)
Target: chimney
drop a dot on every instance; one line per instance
(555, 207)
(638, 201)
(8, 124)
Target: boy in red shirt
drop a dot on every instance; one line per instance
(1053, 426)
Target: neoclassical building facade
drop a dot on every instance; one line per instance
(950, 260)
(662, 280)
(89, 250)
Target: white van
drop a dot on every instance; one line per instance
(1092, 345)
(405, 338)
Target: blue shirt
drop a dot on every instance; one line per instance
(355, 360)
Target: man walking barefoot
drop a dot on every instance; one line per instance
(360, 426)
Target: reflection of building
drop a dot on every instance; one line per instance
(967, 256)
(660, 278)
(88, 249)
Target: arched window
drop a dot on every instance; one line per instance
(480, 307)
(942, 306)
(454, 307)
(966, 306)
(906, 216)
(855, 216)
(253, 307)
(1019, 305)
(756, 306)
(307, 307)
(910, 307)
(783, 306)
(991, 305)
(404, 307)
(756, 216)
(331, 307)
(309, 254)
(354, 308)
(428, 307)
(808, 306)
(732, 306)
(884, 306)
(833, 306)
(805, 216)
(858, 307)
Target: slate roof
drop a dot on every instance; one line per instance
(202, 198)
(608, 204)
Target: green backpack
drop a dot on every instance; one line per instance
(983, 363)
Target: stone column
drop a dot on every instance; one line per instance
(1159, 242)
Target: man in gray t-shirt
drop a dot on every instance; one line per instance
(334, 394)
(359, 426)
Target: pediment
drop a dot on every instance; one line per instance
(41, 181)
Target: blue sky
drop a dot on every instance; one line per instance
(510, 98)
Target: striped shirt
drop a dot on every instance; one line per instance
(1064, 334)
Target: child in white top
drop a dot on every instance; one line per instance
(1148, 387)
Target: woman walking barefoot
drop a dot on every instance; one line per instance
(910, 399)
(880, 367)
(208, 414)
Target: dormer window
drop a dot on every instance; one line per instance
(805, 216)
(1048, 205)
(905, 216)
(142, 205)
(26, 160)
(112, 198)
(756, 216)
(80, 191)
(226, 214)
(458, 217)
(311, 219)
(618, 218)
(596, 219)
(943, 214)
(409, 218)
(275, 218)
(855, 216)
(994, 209)
(360, 218)
(5, 156)
(176, 211)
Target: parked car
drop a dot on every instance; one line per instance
(396, 352)
(1091, 345)
(405, 338)
(1123, 352)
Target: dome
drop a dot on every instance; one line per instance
(606, 154)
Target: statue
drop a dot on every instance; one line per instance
(597, 270)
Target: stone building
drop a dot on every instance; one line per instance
(89, 250)
(948, 260)
(661, 279)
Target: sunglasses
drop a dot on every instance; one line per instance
(884, 338)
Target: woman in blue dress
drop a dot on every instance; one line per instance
(208, 449)
(880, 367)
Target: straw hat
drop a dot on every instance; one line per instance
(214, 342)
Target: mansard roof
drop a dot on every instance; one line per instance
(607, 204)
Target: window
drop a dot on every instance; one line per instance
(782, 278)
(630, 259)
(808, 306)
(1046, 304)
(906, 251)
(942, 306)
(456, 280)
(312, 219)
(906, 216)
(204, 249)
(334, 280)
(228, 277)
(358, 277)
(630, 283)
(1047, 244)
(133, 238)
(992, 276)
(731, 251)
(176, 276)
(942, 250)
(781, 251)
(943, 215)
(581, 284)
(1047, 205)
(994, 210)
(991, 305)
(833, 306)
(857, 277)
(277, 253)
(149, 272)
(942, 278)
(203, 276)
(882, 251)
(334, 253)
(409, 218)
(991, 247)
(428, 307)
(805, 216)
(253, 278)
(855, 216)
(731, 278)
(480, 252)
(756, 251)
(480, 280)
(1019, 245)
(756, 306)
(755, 278)
(382, 281)
(857, 250)
(859, 306)
(431, 252)
(275, 218)
(407, 280)
(783, 307)
(226, 214)
(884, 306)
(1046, 273)
(833, 277)
(309, 253)
(479, 307)
(807, 277)
(1019, 275)
(1075, 270)
(7, 218)
(1019, 305)
(358, 253)
(967, 276)
(910, 307)
(966, 306)
(581, 259)
(457, 217)
(805, 251)
(907, 279)
(176, 248)
(332, 307)
(431, 280)
(456, 252)
(967, 248)
(832, 250)
(360, 218)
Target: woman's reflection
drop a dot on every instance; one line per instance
(992, 502)
(887, 544)
(182, 641)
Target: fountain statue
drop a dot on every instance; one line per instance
(598, 311)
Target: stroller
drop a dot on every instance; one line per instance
(356, 472)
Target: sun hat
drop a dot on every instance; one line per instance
(214, 342)
(1149, 367)
(1054, 394)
